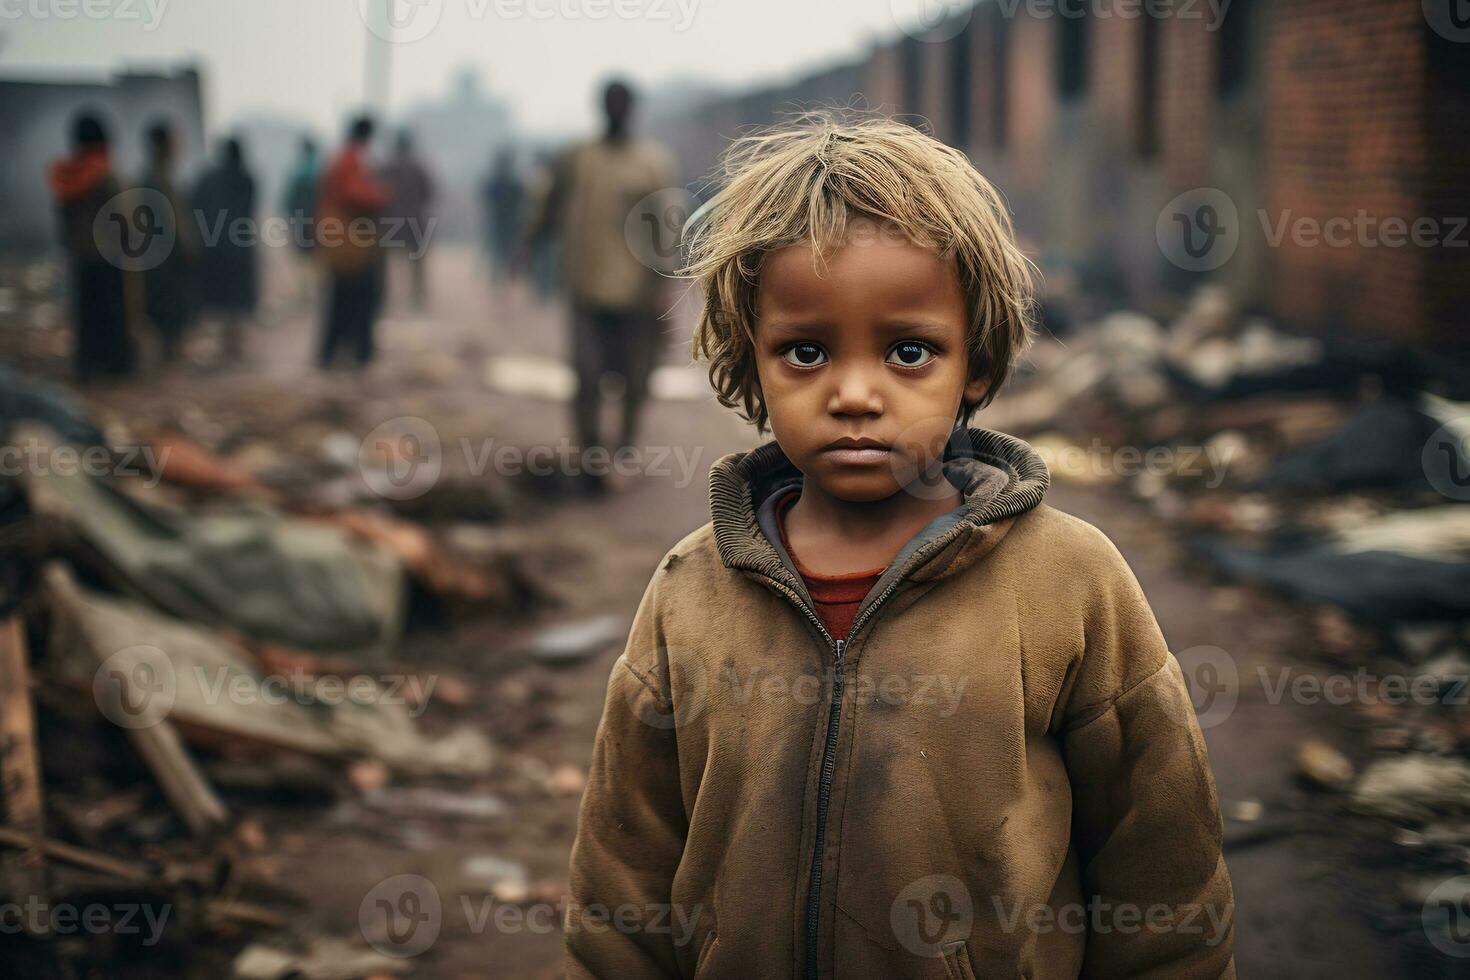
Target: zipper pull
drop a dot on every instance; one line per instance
(841, 646)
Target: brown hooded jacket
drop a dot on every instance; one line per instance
(999, 773)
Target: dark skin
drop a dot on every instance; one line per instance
(872, 352)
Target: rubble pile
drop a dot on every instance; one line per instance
(1332, 475)
(212, 620)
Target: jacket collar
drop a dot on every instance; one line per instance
(1000, 477)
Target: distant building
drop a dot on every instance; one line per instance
(36, 114)
(457, 137)
(1300, 112)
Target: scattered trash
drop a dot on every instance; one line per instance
(298, 582)
(420, 801)
(1414, 787)
(325, 959)
(1322, 765)
(574, 642)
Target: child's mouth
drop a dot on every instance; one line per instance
(856, 455)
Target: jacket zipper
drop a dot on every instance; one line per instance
(829, 766)
(824, 799)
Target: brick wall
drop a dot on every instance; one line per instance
(1346, 133)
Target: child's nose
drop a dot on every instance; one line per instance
(856, 392)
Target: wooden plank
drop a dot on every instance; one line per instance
(20, 760)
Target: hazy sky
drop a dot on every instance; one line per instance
(305, 57)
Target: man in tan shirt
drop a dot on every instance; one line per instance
(612, 286)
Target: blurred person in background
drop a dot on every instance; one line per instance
(82, 184)
(503, 210)
(167, 286)
(350, 200)
(543, 261)
(224, 202)
(413, 191)
(299, 205)
(613, 295)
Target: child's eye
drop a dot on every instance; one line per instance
(911, 354)
(804, 355)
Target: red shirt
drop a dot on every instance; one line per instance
(836, 597)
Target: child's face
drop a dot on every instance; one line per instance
(873, 351)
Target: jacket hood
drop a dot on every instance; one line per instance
(1000, 476)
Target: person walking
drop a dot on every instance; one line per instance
(224, 202)
(413, 191)
(82, 184)
(167, 285)
(299, 205)
(613, 294)
(350, 200)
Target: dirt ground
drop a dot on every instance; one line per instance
(1306, 909)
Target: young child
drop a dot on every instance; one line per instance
(887, 715)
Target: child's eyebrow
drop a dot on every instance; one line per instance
(931, 329)
(792, 329)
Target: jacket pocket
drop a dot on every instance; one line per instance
(711, 940)
(957, 961)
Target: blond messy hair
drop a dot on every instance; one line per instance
(805, 181)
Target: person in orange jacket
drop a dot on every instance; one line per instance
(84, 185)
(347, 234)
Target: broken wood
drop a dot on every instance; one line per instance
(20, 761)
